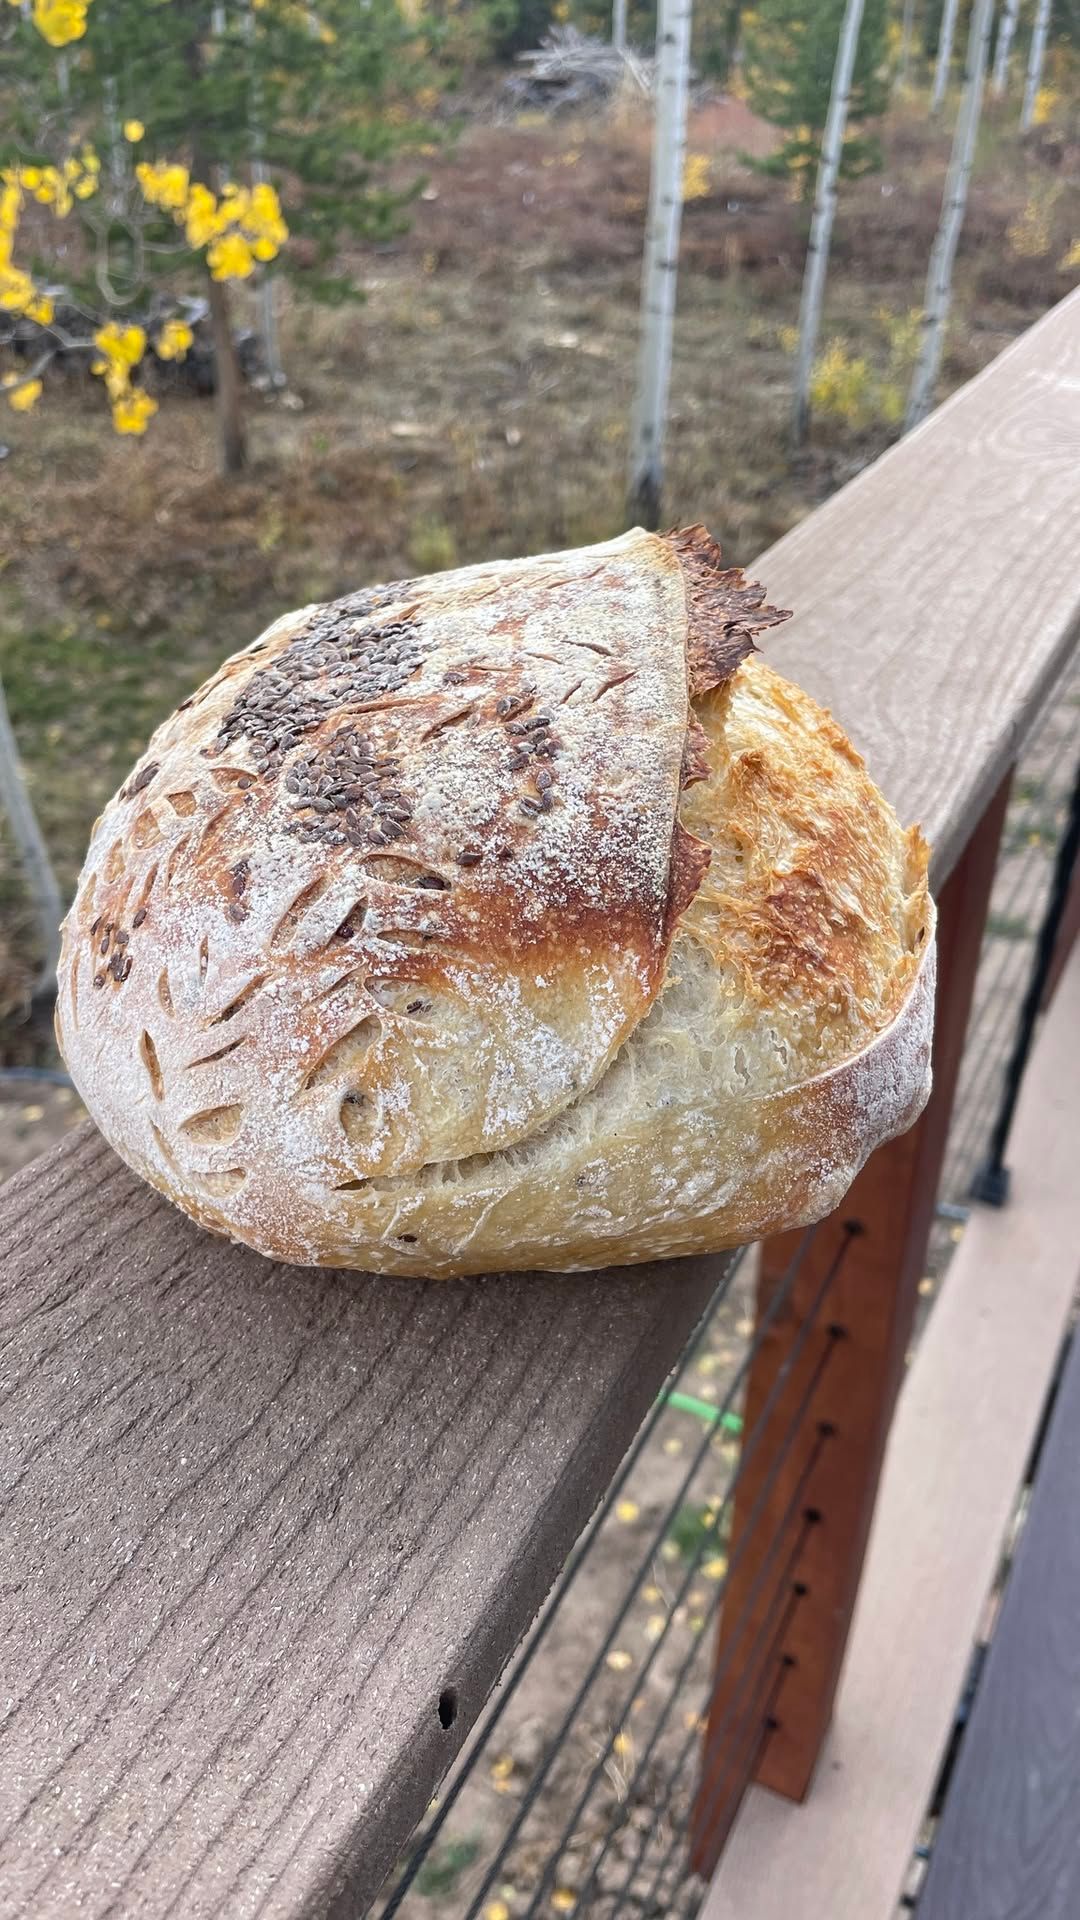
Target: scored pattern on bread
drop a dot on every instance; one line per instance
(483, 921)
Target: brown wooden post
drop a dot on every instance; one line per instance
(816, 1465)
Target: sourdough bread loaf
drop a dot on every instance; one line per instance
(517, 917)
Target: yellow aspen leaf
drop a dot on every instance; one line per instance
(24, 397)
(563, 1900)
(132, 412)
(619, 1660)
(174, 340)
(121, 346)
(496, 1910)
(133, 131)
(40, 309)
(654, 1626)
(230, 258)
(697, 174)
(627, 1511)
(60, 21)
(622, 1746)
(715, 1567)
(16, 289)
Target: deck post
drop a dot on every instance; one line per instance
(832, 1440)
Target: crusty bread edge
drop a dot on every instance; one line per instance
(810, 1143)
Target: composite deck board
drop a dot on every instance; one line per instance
(260, 1520)
(1008, 1847)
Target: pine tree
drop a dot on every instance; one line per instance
(790, 54)
(189, 112)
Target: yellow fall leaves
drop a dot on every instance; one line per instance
(21, 393)
(174, 340)
(237, 227)
(120, 350)
(697, 176)
(58, 21)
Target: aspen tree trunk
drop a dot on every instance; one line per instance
(30, 848)
(1006, 31)
(953, 207)
(1036, 52)
(944, 55)
(231, 439)
(660, 265)
(618, 26)
(268, 334)
(817, 252)
(264, 294)
(907, 29)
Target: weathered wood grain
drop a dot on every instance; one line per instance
(258, 1521)
(967, 1415)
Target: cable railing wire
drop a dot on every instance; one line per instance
(795, 1427)
(531, 1793)
(709, 1534)
(562, 1586)
(680, 1829)
(703, 1641)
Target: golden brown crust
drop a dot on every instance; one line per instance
(439, 931)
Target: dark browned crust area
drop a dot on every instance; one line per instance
(725, 610)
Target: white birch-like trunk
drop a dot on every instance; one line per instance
(821, 225)
(953, 208)
(944, 55)
(30, 848)
(264, 293)
(618, 26)
(1036, 53)
(907, 32)
(660, 265)
(1006, 32)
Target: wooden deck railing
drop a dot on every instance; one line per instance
(270, 1536)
